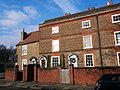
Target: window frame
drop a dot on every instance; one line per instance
(54, 46)
(24, 47)
(118, 59)
(85, 22)
(86, 60)
(57, 62)
(116, 44)
(23, 64)
(43, 58)
(55, 29)
(113, 19)
(87, 41)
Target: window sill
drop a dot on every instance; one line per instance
(87, 47)
(24, 54)
(115, 22)
(55, 51)
(86, 27)
(117, 45)
(89, 66)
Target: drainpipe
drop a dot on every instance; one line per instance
(99, 42)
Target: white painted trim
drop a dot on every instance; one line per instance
(115, 38)
(92, 59)
(55, 29)
(90, 40)
(58, 46)
(118, 58)
(45, 63)
(113, 20)
(86, 26)
(73, 56)
(24, 60)
(24, 46)
(58, 60)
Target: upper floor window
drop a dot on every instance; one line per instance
(55, 29)
(55, 45)
(89, 61)
(86, 24)
(115, 18)
(55, 61)
(24, 50)
(117, 37)
(87, 41)
(118, 57)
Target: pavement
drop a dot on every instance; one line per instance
(35, 86)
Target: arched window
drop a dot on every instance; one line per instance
(43, 61)
(33, 60)
(73, 59)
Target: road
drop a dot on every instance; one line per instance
(14, 88)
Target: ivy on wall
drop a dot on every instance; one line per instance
(62, 61)
(48, 60)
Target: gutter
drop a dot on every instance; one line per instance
(78, 17)
(99, 41)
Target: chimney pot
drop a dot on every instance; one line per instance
(66, 14)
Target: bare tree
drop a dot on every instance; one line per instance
(7, 55)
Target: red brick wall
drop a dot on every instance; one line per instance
(71, 39)
(49, 76)
(89, 76)
(9, 74)
(25, 72)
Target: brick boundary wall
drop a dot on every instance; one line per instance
(78, 76)
(89, 76)
(49, 76)
(9, 74)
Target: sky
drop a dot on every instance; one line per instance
(18, 14)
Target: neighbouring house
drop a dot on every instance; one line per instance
(28, 49)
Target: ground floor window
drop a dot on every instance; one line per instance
(55, 60)
(72, 59)
(33, 60)
(89, 61)
(118, 57)
(43, 62)
(24, 62)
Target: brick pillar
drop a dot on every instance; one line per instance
(58, 71)
(36, 66)
(71, 72)
(25, 70)
(15, 72)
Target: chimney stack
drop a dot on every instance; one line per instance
(111, 2)
(66, 14)
(91, 8)
(23, 35)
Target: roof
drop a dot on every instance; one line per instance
(31, 38)
(83, 14)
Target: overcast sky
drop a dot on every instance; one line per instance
(18, 14)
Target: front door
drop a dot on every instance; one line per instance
(30, 72)
(42, 63)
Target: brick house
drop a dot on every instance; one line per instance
(88, 39)
(28, 48)
(85, 39)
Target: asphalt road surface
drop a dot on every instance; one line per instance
(13, 88)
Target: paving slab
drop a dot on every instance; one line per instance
(36, 86)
